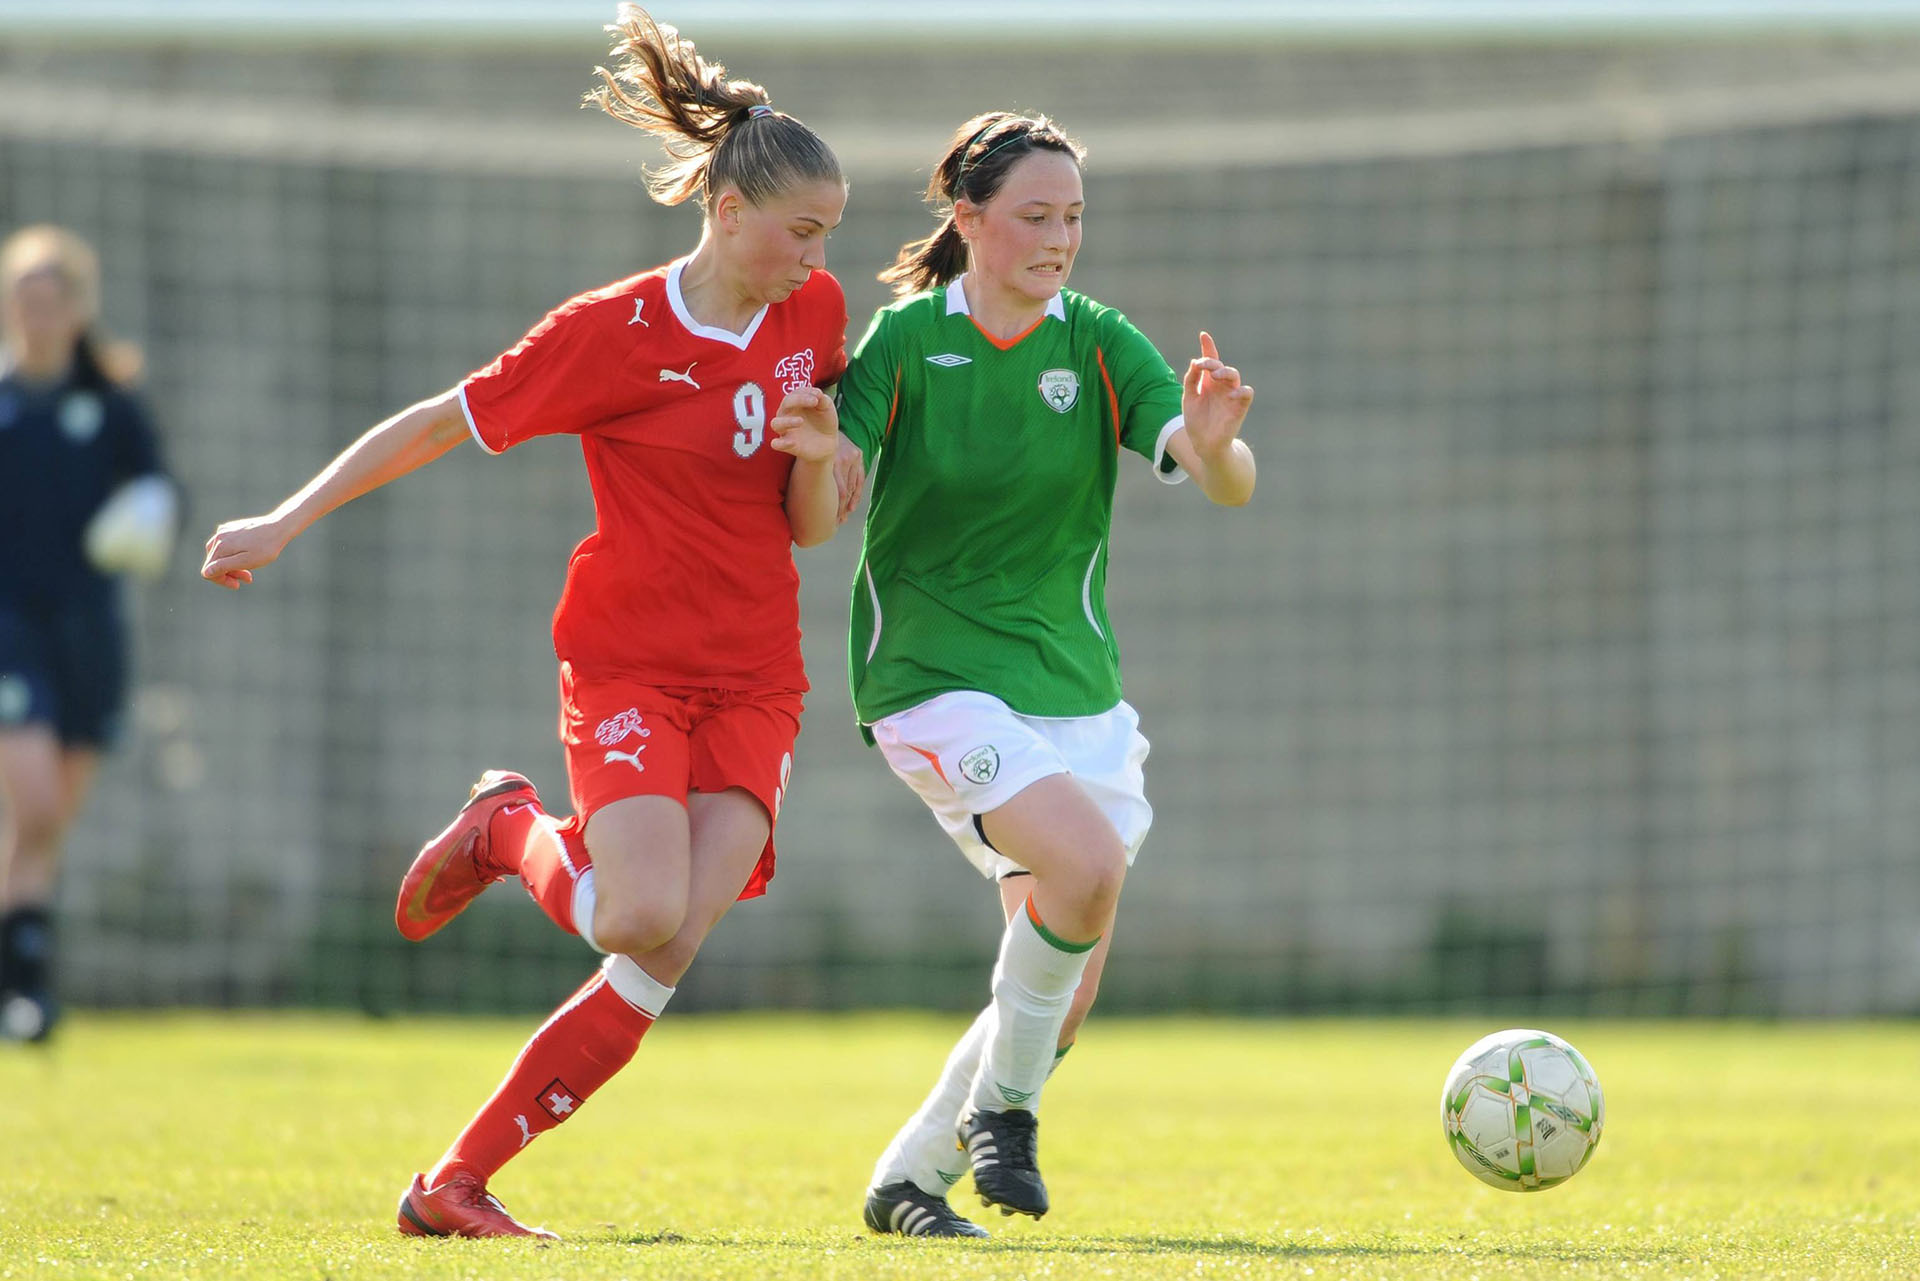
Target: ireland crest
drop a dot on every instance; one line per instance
(1060, 388)
(980, 765)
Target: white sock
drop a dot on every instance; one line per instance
(1033, 987)
(636, 987)
(925, 1150)
(583, 901)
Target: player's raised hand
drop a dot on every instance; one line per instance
(239, 547)
(807, 426)
(1214, 400)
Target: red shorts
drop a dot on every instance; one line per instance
(624, 738)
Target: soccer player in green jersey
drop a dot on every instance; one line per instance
(992, 406)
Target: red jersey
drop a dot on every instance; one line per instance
(689, 577)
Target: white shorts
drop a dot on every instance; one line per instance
(966, 754)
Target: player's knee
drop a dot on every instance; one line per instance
(674, 958)
(1101, 872)
(637, 928)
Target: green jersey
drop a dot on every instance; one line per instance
(985, 560)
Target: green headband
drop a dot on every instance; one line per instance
(968, 166)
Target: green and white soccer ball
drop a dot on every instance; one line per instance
(1522, 1110)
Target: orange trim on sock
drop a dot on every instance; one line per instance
(1054, 940)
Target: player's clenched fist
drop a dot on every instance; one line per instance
(239, 547)
(807, 426)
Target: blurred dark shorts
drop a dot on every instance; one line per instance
(64, 665)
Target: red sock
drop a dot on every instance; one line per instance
(550, 857)
(575, 1052)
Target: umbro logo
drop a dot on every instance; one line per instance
(948, 359)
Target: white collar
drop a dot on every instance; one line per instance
(957, 301)
(694, 327)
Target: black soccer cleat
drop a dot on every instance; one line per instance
(1003, 1147)
(904, 1209)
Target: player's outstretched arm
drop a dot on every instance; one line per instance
(808, 427)
(411, 438)
(1215, 402)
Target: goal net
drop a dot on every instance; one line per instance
(1568, 657)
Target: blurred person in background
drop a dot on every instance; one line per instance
(84, 500)
(678, 631)
(993, 405)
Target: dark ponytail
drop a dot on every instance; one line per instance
(717, 132)
(975, 165)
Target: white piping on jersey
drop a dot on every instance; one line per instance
(957, 301)
(694, 327)
(473, 428)
(1086, 591)
(874, 596)
(1178, 473)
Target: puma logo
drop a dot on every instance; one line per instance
(639, 305)
(668, 376)
(632, 758)
(526, 1131)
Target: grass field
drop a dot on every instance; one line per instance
(211, 1146)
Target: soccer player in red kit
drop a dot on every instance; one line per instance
(695, 391)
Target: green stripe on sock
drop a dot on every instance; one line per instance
(1054, 940)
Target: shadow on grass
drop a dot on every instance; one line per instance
(1230, 1246)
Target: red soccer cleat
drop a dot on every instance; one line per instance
(460, 1207)
(451, 869)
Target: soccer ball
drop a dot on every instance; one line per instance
(1522, 1110)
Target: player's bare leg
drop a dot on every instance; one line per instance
(42, 786)
(728, 830)
(642, 859)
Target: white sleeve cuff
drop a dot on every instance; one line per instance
(473, 428)
(1179, 473)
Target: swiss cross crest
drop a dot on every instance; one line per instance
(796, 371)
(557, 1101)
(1060, 388)
(616, 729)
